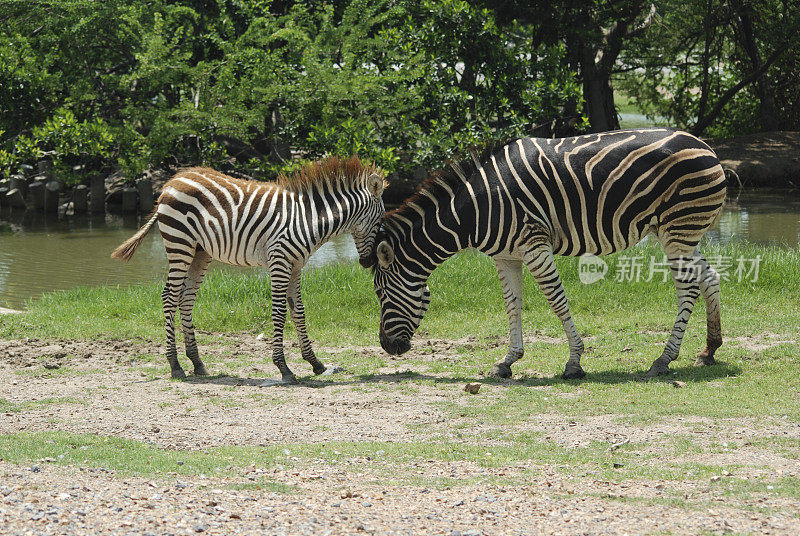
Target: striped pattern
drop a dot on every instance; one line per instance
(535, 198)
(203, 215)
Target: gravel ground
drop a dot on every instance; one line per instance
(106, 393)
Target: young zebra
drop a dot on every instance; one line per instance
(204, 215)
(535, 198)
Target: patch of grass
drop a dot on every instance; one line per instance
(263, 484)
(44, 372)
(7, 406)
(396, 463)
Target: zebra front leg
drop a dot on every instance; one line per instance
(510, 272)
(194, 278)
(709, 288)
(170, 297)
(543, 267)
(684, 274)
(297, 312)
(279, 282)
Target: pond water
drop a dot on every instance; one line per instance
(39, 254)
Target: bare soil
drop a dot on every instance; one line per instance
(762, 159)
(116, 388)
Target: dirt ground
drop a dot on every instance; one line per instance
(111, 390)
(762, 159)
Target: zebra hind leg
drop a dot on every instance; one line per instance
(684, 273)
(297, 312)
(709, 288)
(170, 298)
(194, 278)
(541, 264)
(510, 272)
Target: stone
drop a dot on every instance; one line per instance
(472, 388)
(80, 198)
(97, 194)
(130, 198)
(678, 384)
(19, 182)
(45, 167)
(36, 191)
(145, 189)
(52, 191)
(15, 199)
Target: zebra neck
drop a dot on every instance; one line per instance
(325, 215)
(434, 225)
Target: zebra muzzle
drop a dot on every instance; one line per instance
(394, 346)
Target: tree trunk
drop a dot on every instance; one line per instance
(769, 120)
(598, 94)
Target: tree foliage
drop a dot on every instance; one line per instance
(253, 85)
(719, 67)
(248, 85)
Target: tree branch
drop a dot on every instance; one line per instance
(706, 121)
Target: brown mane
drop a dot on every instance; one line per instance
(332, 169)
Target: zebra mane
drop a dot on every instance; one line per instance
(348, 172)
(457, 170)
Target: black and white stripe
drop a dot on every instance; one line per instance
(535, 198)
(203, 215)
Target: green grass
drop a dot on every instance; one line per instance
(412, 463)
(341, 307)
(6, 406)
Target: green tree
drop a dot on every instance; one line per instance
(719, 67)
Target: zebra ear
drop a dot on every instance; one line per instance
(375, 183)
(385, 254)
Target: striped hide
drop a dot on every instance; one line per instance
(203, 215)
(535, 198)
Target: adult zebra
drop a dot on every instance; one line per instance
(595, 194)
(204, 215)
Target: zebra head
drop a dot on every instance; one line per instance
(404, 298)
(367, 221)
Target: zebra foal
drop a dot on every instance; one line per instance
(536, 198)
(203, 215)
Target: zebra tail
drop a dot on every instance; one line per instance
(126, 249)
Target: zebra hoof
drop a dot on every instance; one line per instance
(318, 368)
(289, 379)
(657, 369)
(573, 374)
(201, 371)
(501, 370)
(706, 357)
(178, 374)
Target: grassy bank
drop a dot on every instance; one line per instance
(625, 325)
(341, 306)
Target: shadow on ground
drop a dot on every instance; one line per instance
(685, 373)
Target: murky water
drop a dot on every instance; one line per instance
(39, 254)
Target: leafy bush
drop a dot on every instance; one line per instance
(254, 86)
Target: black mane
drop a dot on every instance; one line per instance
(456, 167)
